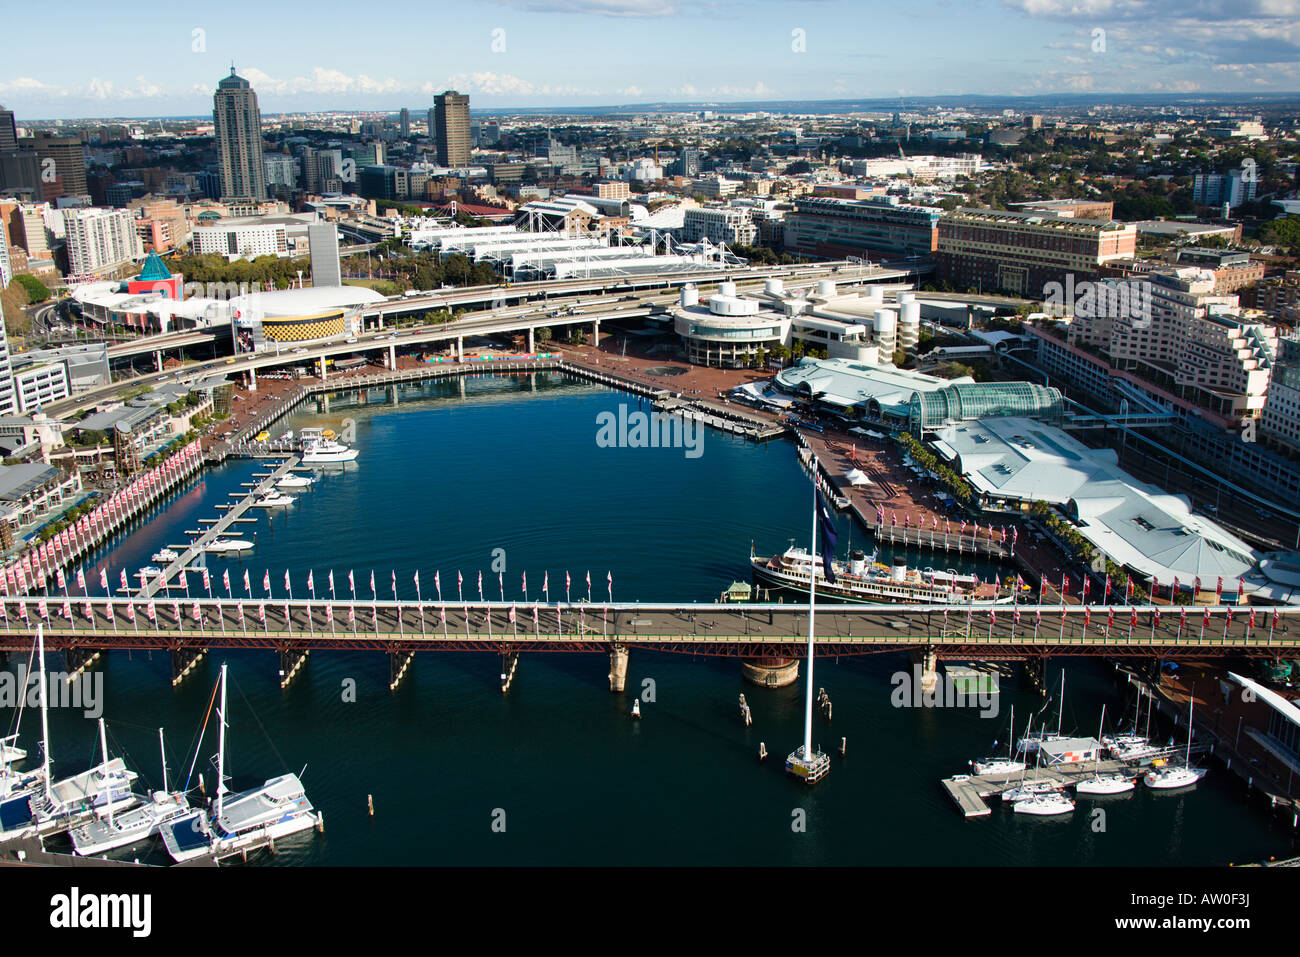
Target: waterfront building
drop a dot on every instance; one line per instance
(1017, 460)
(293, 316)
(30, 490)
(1185, 338)
(1022, 253)
(237, 125)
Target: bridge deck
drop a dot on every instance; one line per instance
(714, 629)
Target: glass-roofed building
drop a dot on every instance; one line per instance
(963, 401)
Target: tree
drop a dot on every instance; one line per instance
(36, 290)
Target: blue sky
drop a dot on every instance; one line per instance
(131, 59)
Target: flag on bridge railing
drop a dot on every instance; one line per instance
(108, 610)
(1133, 618)
(90, 614)
(261, 612)
(151, 611)
(1110, 619)
(1252, 618)
(1229, 617)
(1206, 620)
(103, 579)
(1087, 615)
(22, 610)
(225, 580)
(195, 613)
(329, 612)
(1218, 590)
(58, 576)
(130, 613)
(67, 610)
(266, 582)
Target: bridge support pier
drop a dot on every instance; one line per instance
(460, 356)
(532, 346)
(509, 665)
(399, 662)
(291, 662)
(185, 660)
(157, 361)
(595, 333)
(79, 660)
(928, 663)
(392, 362)
(322, 373)
(770, 672)
(617, 668)
(252, 382)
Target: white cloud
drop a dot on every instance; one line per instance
(604, 8)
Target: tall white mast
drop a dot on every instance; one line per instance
(221, 749)
(45, 710)
(1060, 714)
(162, 748)
(812, 597)
(108, 781)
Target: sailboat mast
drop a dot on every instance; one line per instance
(162, 749)
(1101, 728)
(103, 746)
(812, 597)
(1191, 711)
(1060, 714)
(1011, 735)
(45, 711)
(221, 748)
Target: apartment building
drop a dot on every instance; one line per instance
(720, 224)
(100, 240)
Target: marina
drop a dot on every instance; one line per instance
(558, 692)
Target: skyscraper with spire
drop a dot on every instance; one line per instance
(237, 125)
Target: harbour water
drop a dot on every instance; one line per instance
(555, 772)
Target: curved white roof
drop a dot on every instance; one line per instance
(299, 302)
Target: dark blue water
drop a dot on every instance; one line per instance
(441, 482)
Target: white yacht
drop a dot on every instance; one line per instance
(318, 450)
(164, 555)
(272, 500)
(1046, 804)
(1030, 742)
(10, 753)
(1171, 776)
(243, 821)
(1101, 784)
(1007, 765)
(222, 546)
(133, 826)
(1029, 789)
(294, 481)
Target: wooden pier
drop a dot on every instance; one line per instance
(233, 514)
(969, 792)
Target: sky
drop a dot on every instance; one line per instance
(131, 59)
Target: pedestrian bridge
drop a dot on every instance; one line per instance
(972, 630)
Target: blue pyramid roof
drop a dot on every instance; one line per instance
(154, 269)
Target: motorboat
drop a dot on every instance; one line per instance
(319, 450)
(294, 481)
(165, 556)
(272, 500)
(222, 546)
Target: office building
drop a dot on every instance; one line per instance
(62, 166)
(875, 228)
(237, 126)
(451, 128)
(242, 241)
(8, 131)
(281, 170)
(404, 122)
(1022, 253)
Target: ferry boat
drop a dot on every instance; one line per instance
(863, 579)
(319, 450)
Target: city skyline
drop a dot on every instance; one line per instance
(583, 53)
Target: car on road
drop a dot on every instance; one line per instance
(300, 350)
(354, 339)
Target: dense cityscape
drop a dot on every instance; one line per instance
(390, 396)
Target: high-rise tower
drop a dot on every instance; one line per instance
(237, 124)
(451, 122)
